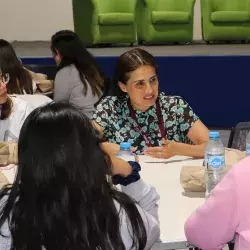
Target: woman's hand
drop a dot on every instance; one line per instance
(172, 148)
(166, 151)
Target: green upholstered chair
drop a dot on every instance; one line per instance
(165, 20)
(105, 21)
(225, 19)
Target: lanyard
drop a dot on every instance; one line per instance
(139, 129)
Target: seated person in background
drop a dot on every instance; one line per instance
(34, 101)
(13, 112)
(20, 81)
(158, 125)
(225, 215)
(62, 198)
(78, 80)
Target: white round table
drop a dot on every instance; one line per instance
(174, 206)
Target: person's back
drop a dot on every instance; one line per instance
(62, 199)
(69, 88)
(79, 80)
(225, 214)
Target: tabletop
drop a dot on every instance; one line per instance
(175, 206)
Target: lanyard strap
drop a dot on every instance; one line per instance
(139, 129)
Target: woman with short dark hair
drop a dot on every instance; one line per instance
(156, 124)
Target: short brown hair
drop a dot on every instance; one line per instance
(129, 62)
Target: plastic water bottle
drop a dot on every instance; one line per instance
(125, 152)
(248, 144)
(214, 162)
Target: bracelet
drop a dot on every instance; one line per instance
(133, 177)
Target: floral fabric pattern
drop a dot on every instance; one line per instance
(113, 115)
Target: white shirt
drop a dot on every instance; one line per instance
(13, 124)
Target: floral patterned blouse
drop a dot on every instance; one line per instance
(113, 115)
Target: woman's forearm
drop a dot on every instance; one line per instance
(120, 167)
(178, 148)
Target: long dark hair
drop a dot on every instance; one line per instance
(73, 51)
(62, 197)
(129, 62)
(20, 80)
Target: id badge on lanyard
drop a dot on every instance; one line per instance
(138, 127)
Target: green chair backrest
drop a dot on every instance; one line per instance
(109, 6)
(229, 5)
(170, 5)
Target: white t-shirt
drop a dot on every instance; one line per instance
(12, 126)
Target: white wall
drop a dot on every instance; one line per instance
(197, 21)
(34, 20)
(37, 20)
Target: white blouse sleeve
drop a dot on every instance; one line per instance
(146, 197)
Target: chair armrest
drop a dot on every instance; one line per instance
(190, 5)
(206, 10)
(96, 6)
(206, 7)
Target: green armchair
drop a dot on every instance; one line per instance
(105, 21)
(165, 20)
(225, 20)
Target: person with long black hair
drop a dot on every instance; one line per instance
(63, 196)
(79, 80)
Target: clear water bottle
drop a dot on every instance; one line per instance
(125, 152)
(248, 144)
(214, 161)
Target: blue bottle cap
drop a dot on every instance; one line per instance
(125, 145)
(214, 134)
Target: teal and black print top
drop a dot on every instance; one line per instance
(113, 115)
